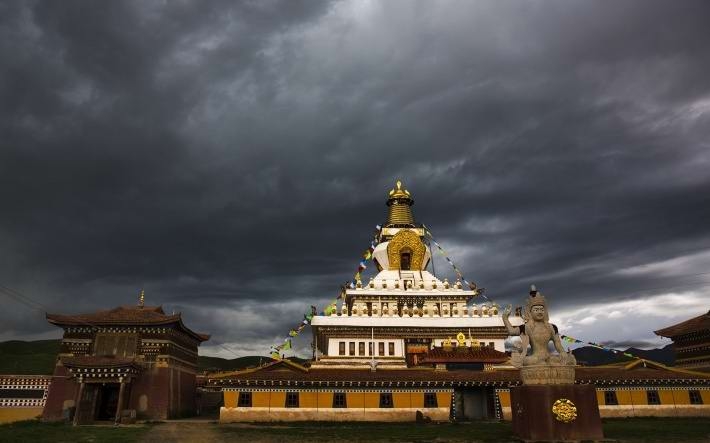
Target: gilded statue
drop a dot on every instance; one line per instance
(537, 332)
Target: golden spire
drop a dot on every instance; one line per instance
(399, 192)
(141, 299)
(400, 211)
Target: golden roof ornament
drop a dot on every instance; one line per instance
(141, 298)
(398, 192)
(461, 339)
(400, 211)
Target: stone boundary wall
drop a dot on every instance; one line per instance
(261, 414)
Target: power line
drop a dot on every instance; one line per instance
(32, 304)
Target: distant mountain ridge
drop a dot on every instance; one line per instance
(39, 357)
(591, 356)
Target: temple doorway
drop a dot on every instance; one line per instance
(405, 261)
(107, 401)
(473, 404)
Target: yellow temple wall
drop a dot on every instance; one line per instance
(504, 400)
(9, 415)
(277, 399)
(260, 399)
(356, 399)
(600, 397)
(325, 399)
(372, 400)
(269, 406)
(401, 400)
(230, 399)
(634, 403)
(623, 397)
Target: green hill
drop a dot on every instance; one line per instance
(39, 357)
(212, 364)
(28, 357)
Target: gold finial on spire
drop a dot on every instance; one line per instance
(141, 299)
(398, 192)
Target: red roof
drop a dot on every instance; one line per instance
(126, 316)
(482, 354)
(641, 373)
(90, 361)
(698, 323)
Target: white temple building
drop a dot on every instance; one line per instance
(404, 311)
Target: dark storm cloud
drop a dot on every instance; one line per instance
(233, 158)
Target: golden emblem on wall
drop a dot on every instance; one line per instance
(461, 339)
(564, 410)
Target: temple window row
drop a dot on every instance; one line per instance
(427, 309)
(292, 400)
(652, 397)
(361, 348)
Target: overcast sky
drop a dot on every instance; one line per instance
(233, 158)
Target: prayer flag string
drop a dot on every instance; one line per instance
(331, 307)
(569, 339)
(459, 274)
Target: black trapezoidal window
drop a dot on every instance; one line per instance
(391, 348)
(352, 348)
(340, 400)
(361, 348)
(244, 400)
(610, 398)
(341, 348)
(653, 398)
(695, 397)
(386, 400)
(23, 393)
(430, 400)
(381, 347)
(292, 399)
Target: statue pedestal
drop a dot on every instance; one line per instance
(535, 420)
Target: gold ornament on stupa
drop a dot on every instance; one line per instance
(400, 204)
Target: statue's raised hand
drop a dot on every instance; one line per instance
(508, 310)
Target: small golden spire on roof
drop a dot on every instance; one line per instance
(398, 192)
(400, 212)
(141, 299)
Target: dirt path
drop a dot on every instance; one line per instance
(177, 431)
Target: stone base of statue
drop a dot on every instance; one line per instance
(547, 375)
(555, 412)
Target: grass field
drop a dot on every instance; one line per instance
(34, 431)
(637, 430)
